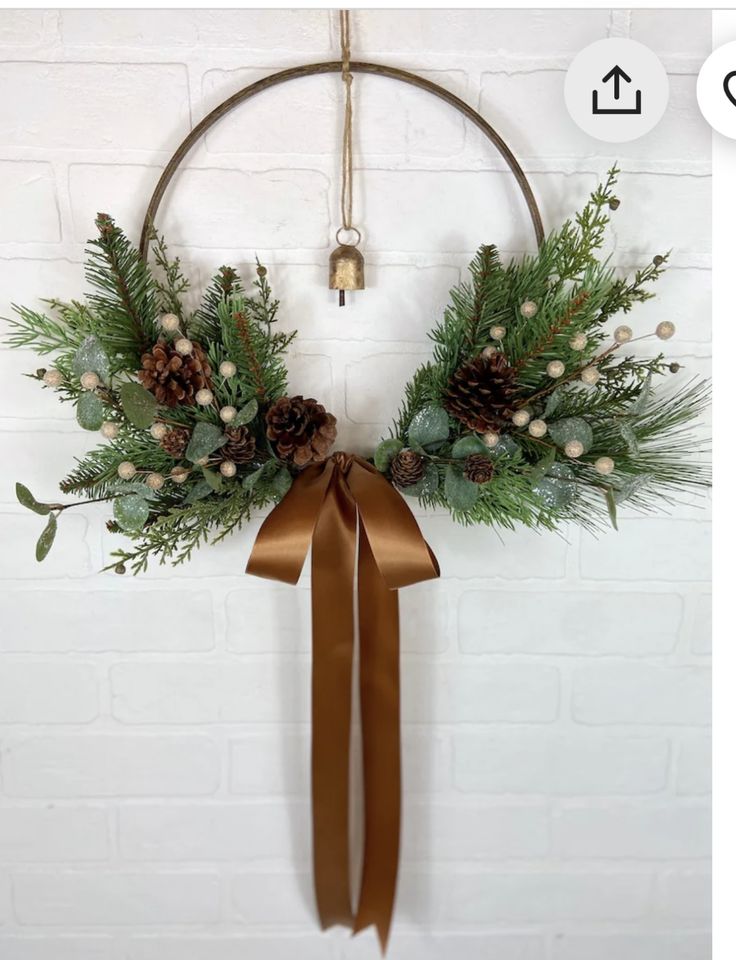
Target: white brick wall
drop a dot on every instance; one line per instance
(153, 733)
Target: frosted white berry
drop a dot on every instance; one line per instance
(491, 438)
(623, 334)
(590, 376)
(228, 468)
(126, 470)
(665, 330)
(169, 322)
(109, 429)
(202, 462)
(183, 346)
(537, 428)
(604, 465)
(228, 414)
(521, 418)
(579, 341)
(528, 309)
(179, 474)
(155, 481)
(228, 369)
(89, 380)
(574, 448)
(488, 352)
(158, 431)
(204, 397)
(555, 368)
(53, 378)
(498, 332)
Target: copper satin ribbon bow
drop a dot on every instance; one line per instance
(325, 506)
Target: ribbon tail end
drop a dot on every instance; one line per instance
(382, 932)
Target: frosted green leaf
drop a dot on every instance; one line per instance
(611, 504)
(262, 474)
(139, 406)
(642, 401)
(542, 466)
(506, 447)
(385, 452)
(90, 411)
(553, 402)
(26, 498)
(573, 428)
(131, 512)
(213, 479)
(631, 486)
(427, 485)
(430, 425)
(460, 493)
(557, 488)
(467, 446)
(280, 484)
(246, 414)
(205, 439)
(629, 437)
(90, 356)
(199, 491)
(46, 540)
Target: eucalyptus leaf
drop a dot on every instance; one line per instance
(460, 493)
(91, 356)
(46, 540)
(642, 401)
(213, 479)
(553, 402)
(506, 447)
(631, 486)
(281, 484)
(90, 411)
(542, 466)
(467, 446)
(430, 425)
(629, 437)
(199, 491)
(572, 428)
(611, 504)
(262, 474)
(205, 439)
(385, 452)
(131, 512)
(246, 414)
(26, 498)
(557, 487)
(427, 485)
(139, 406)
(132, 486)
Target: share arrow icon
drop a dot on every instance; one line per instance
(617, 75)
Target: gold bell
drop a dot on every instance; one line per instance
(346, 269)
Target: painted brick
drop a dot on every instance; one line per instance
(21, 27)
(56, 947)
(440, 946)
(512, 763)
(43, 834)
(665, 550)
(53, 692)
(60, 447)
(284, 898)
(694, 771)
(454, 832)
(592, 622)
(701, 629)
(121, 190)
(69, 558)
(680, 32)
(231, 947)
(32, 400)
(101, 765)
(26, 281)
(28, 201)
(687, 896)
(633, 946)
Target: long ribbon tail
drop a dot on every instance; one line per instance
(378, 609)
(333, 567)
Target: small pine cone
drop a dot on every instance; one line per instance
(480, 393)
(302, 430)
(175, 442)
(174, 379)
(240, 446)
(478, 468)
(407, 468)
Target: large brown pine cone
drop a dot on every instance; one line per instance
(171, 378)
(407, 468)
(175, 442)
(478, 468)
(480, 393)
(302, 430)
(240, 446)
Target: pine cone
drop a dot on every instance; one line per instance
(478, 468)
(240, 446)
(407, 468)
(171, 378)
(302, 430)
(175, 442)
(480, 393)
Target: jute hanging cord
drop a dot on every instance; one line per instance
(346, 262)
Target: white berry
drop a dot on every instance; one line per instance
(228, 369)
(204, 397)
(89, 380)
(228, 414)
(498, 333)
(202, 462)
(537, 428)
(665, 330)
(228, 468)
(158, 431)
(109, 429)
(53, 378)
(521, 418)
(590, 376)
(528, 309)
(488, 352)
(126, 470)
(491, 438)
(183, 346)
(555, 368)
(623, 334)
(179, 474)
(169, 322)
(574, 448)
(579, 341)
(155, 481)
(604, 465)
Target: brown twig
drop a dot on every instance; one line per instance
(563, 322)
(241, 324)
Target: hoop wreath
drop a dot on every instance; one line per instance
(528, 413)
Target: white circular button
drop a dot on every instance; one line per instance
(616, 90)
(717, 90)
